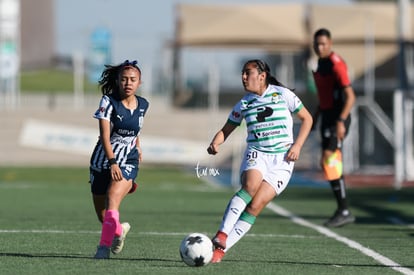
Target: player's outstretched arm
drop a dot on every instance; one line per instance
(220, 137)
(304, 130)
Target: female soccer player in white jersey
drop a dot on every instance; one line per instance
(271, 151)
(114, 161)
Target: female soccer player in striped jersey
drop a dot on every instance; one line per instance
(271, 151)
(117, 154)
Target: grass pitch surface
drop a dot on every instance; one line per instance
(48, 226)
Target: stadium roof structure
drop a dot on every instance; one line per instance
(257, 25)
(290, 26)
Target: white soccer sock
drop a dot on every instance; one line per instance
(240, 229)
(234, 209)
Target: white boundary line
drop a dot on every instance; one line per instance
(276, 209)
(353, 244)
(39, 231)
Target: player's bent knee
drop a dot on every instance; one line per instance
(254, 208)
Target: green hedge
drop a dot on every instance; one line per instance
(52, 81)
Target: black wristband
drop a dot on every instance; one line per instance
(112, 161)
(341, 119)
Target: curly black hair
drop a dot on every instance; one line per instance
(109, 77)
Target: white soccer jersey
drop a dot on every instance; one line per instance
(268, 118)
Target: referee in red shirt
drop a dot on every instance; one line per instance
(336, 98)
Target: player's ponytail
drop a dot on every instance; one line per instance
(109, 79)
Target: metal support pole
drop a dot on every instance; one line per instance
(78, 80)
(408, 138)
(398, 139)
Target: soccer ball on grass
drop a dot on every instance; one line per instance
(196, 249)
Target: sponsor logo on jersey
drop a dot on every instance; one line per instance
(258, 135)
(270, 133)
(120, 140)
(126, 132)
(235, 114)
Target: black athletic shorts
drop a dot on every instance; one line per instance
(100, 180)
(328, 130)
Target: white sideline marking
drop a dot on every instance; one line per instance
(36, 231)
(353, 244)
(276, 209)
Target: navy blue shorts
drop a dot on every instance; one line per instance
(100, 180)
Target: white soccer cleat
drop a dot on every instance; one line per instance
(118, 242)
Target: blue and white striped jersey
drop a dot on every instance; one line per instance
(268, 118)
(125, 127)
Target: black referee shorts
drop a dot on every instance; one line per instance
(328, 132)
